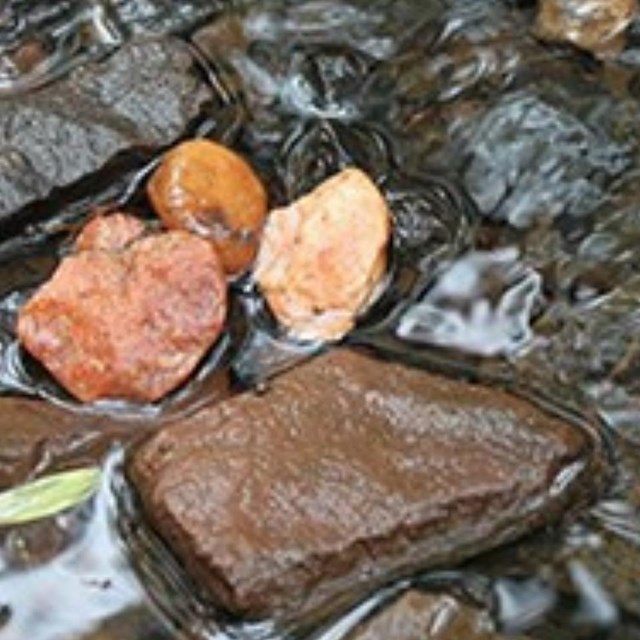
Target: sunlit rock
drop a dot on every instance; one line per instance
(595, 25)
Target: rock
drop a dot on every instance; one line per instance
(207, 189)
(419, 616)
(36, 436)
(528, 159)
(348, 472)
(594, 25)
(114, 233)
(144, 96)
(127, 321)
(322, 258)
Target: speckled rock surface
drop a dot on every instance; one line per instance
(346, 472)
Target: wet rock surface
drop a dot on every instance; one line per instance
(323, 257)
(35, 437)
(417, 616)
(141, 98)
(127, 316)
(209, 190)
(348, 471)
(594, 25)
(569, 169)
(442, 90)
(533, 133)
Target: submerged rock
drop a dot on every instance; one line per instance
(162, 16)
(530, 159)
(36, 436)
(594, 25)
(420, 616)
(144, 96)
(348, 472)
(533, 132)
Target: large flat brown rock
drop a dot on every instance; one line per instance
(347, 472)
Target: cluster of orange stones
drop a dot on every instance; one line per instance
(132, 310)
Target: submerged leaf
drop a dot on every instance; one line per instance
(47, 496)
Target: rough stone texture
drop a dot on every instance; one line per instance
(322, 258)
(129, 316)
(348, 472)
(144, 95)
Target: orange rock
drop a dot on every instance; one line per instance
(111, 233)
(322, 258)
(127, 316)
(207, 189)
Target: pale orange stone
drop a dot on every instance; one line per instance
(323, 257)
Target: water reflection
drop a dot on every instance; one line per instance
(481, 303)
(85, 573)
(544, 140)
(40, 40)
(523, 603)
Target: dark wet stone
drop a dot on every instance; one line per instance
(347, 472)
(35, 436)
(417, 615)
(143, 97)
(527, 159)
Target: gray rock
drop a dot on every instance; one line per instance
(143, 96)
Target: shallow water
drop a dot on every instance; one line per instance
(511, 167)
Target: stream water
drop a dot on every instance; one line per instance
(511, 167)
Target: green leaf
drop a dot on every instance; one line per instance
(47, 496)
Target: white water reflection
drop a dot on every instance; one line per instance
(480, 304)
(41, 40)
(75, 591)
